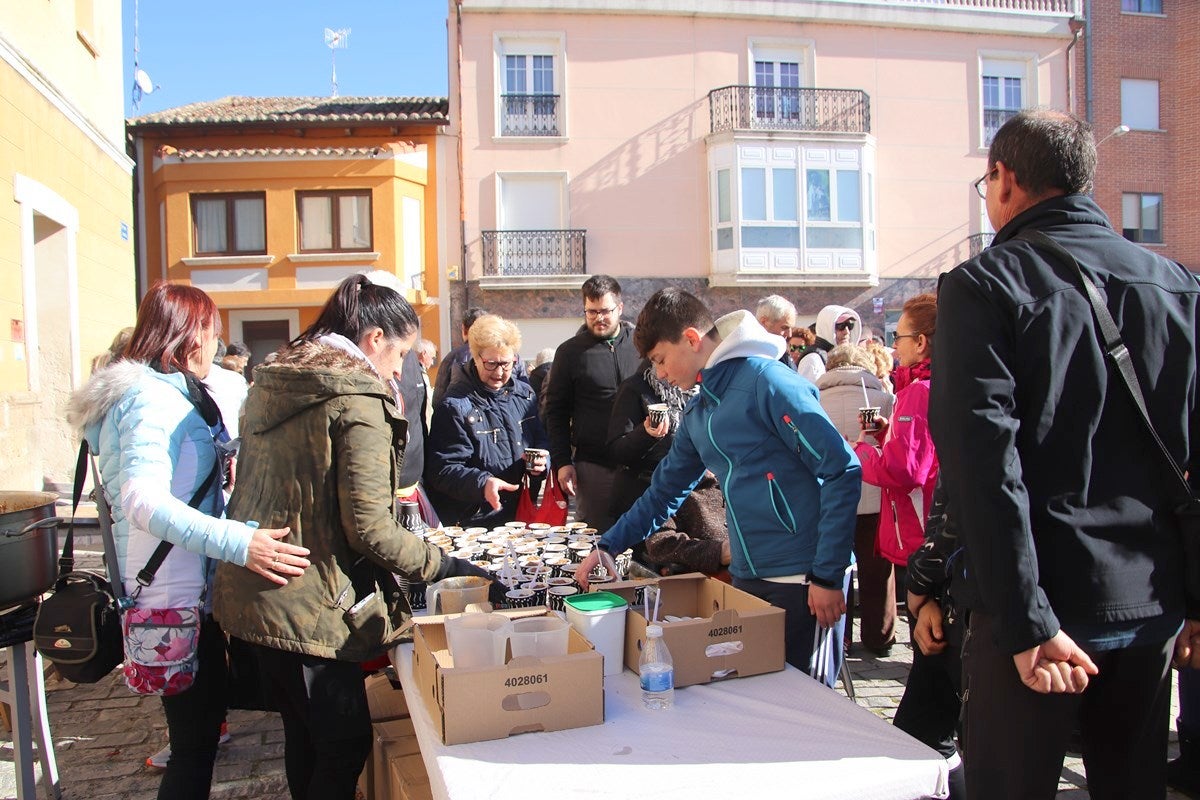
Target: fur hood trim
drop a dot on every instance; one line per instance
(103, 390)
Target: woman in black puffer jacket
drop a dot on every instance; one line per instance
(474, 456)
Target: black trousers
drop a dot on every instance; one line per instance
(194, 720)
(930, 706)
(326, 723)
(1015, 739)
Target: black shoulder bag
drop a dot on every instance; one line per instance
(1187, 504)
(78, 627)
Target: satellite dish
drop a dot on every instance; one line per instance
(143, 81)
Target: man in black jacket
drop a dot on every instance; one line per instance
(587, 370)
(1072, 564)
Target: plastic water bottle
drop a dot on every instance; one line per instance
(657, 671)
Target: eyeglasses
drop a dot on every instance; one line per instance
(898, 336)
(593, 313)
(981, 184)
(795, 348)
(848, 325)
(497, 366)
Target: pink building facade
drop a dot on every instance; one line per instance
(737, 148)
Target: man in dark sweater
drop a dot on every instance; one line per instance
(1072, 564)
(587, 370)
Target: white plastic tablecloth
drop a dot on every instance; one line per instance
(761, 736)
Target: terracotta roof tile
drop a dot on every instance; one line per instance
(196, 153)
(301, 110)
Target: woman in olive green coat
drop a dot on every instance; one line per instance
(321, 447)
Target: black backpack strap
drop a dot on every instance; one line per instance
(146, 576)
(1114, 347)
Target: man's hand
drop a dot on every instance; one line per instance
(1056, 666)
(726, 553)
(928, 632)
(492, 488)
(566, 478)
(827, 605)
(1187, 646)
(915, 601)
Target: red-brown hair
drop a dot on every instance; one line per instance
(922, 315)
(169, 322)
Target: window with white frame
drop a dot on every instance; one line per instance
(1139, 104)
(778, 71)
(1003, 92)
(229, 224)
(532, 237)
(529, 86)
(798, 209)
(1141, 217)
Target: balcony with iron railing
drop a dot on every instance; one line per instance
(775, 108)
(994, 119)
(529, 115)
(534, 254)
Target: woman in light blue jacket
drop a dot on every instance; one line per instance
(156, 433)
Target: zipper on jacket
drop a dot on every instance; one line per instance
(787, 420)
(896, 525)
(737, 526)
(774, 491)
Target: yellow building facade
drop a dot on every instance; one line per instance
(67, 279)
(268, 203)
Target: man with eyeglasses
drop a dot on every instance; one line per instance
(1072, 563)
(835, 325)
(580, 391)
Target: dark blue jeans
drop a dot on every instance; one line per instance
(799, 625)
(326, 723)
(194, 720)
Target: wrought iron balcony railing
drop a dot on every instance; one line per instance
(774, 108)
(993, 119)
(534, 253)
(977, 243)
(529, 115)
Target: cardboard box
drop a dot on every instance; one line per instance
(389, 740)
(385, 698)
(701, 647)
(408, 779)
(526, 694)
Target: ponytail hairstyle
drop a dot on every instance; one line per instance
(170, 320)
(363, 302)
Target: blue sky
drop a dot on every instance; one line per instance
(208, 50)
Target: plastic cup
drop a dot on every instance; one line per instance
(556, 595)
(868, 418)
(453, 595)
(539, 637)
(478, 640)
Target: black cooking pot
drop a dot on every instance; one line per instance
(28, 545)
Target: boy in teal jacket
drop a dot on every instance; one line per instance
(791, 481)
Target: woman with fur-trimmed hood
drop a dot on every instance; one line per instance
(157, 437)
(322, 443)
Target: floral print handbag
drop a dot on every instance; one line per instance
(160, 649)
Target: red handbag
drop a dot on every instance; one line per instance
(552, 511)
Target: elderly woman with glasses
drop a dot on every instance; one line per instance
(474, 459)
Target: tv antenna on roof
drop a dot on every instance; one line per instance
(335, 40)
(142, 84)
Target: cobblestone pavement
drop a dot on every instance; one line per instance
(103, 735)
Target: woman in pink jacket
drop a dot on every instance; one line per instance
(901, 460)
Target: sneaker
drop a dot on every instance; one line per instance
(159, 760)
